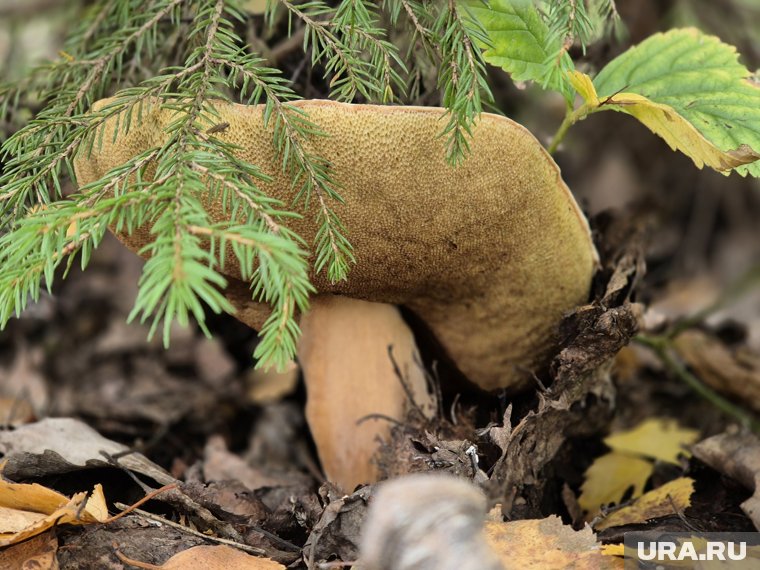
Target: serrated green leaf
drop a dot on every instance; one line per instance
(520, 42)
(701, 80)
(664, 121)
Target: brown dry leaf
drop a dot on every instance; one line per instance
(735, 372)
(658, 438)
(609, 478)
(24, 378)
(212, 558)
(670, 498)
(546, 543)
(16, 411)
(736, 456)
(37, 553)
(30, 509)
(220, 464)
(63, 445)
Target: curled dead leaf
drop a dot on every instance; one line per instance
(27, 510)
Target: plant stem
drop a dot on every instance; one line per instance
(661, 346)
(571, 117)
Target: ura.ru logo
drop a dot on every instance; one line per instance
(687, 550)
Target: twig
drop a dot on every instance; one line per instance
(131, 562)
(128, 509)
(404, 382)
(167, 522)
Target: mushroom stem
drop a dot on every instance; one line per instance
(353, 392)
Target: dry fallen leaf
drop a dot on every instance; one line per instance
(16, 411)
(658, 438)
(613, 549)
(27, 510)
(734, 372)
(220, 464)
(629, 463)
(609, 478)
(37, 553)
(546, 543)
(670, 498)
(211, 558)
(25, 379)
(62, 445)
(736, 456)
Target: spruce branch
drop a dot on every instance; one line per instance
(183, 56)
(351, 75)
(462, 78)
(37, 153)
(291, 130)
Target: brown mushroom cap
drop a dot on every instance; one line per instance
(489, 253)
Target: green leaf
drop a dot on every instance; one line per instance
(700, 79)
(664, 121)
(521, 43)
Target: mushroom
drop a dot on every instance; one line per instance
(489, 253)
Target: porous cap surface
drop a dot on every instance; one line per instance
(490, 253)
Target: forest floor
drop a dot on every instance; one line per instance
(133, 417)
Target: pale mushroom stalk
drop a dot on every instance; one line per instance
(353, 393)
(490, 253)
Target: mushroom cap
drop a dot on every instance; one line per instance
(489, 253)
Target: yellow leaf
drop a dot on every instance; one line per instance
(658, 438)
(666, 122)
(610, 477)
(613, 549)
(27, 510)
(585, 87)
(670, 498)
(680, 134)
(546, 543)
